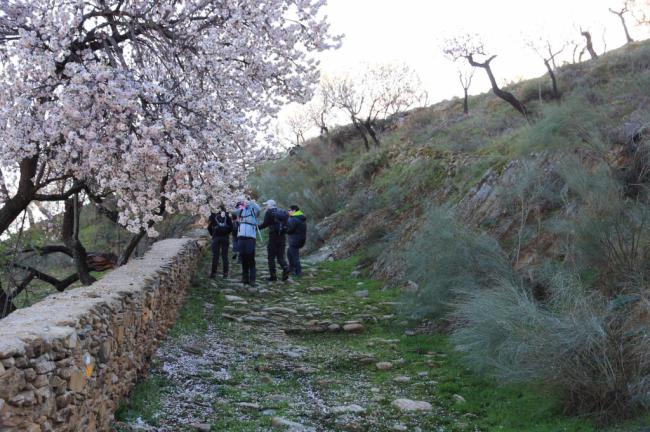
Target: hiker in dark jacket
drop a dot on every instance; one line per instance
(275, 220)
(297, 232)
(235, 230)
(220, 227)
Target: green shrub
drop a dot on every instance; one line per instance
(448, 260)
(588, 335)
(590, 349)
(578, 121)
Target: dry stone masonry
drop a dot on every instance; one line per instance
(66, 362)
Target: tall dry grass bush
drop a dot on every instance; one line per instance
(573, 123)
(588, 338)
(447, 260)
(589, 348)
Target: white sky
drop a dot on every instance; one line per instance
(412, 31)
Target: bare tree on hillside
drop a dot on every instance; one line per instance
(343, 94)
(465, 76)
(299, 123)
(469, 47)
(381, 92)
(589, 45)
(544, 49)
(625, 8)
(319, 112)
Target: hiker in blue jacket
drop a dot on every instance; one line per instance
(246, 240)
(220, 227)
(297, 231)
(275, 219)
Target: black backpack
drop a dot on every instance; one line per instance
(221, 225)
(281, 219)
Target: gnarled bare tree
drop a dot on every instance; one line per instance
(589, 45)
(465, 76)
(381, 92)
(620, 13)
(470, 47)
(545, 50)
(299, 123)
(319, 112)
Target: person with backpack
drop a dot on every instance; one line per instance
(220, 227)
(246, 235)
(297, 232)
(275, 219)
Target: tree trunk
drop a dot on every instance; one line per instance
(368, 126)
(15, 205)
(590, 45)
(70, 236)
(621, 16)
(505, 95)
(359, 128)
(465, 102)
(7, 298)
(128, 251)
(556, 92)
(627, 33)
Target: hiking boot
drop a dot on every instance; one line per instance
(212, 276)
(285, 274)
(225, 275)
(272, 278)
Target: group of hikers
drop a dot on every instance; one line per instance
(242, 225)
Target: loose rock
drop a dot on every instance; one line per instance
(384, 365)
(408, 405)
(354, 328)
(344, 409)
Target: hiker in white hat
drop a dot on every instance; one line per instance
(276, 219)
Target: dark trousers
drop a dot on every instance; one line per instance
(247, 252)
(275, 250)
(220, 247)
(293, 254)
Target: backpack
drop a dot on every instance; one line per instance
(221, 225)
(281, 219)
(247, 228)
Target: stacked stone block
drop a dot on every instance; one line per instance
(67, 361)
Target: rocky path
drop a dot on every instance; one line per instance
(325, 353)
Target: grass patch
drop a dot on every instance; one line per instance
(144, 401)
(488, 406)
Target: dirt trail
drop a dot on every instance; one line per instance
(277, 357)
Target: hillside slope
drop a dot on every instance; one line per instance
(527, 241)
(369, 202)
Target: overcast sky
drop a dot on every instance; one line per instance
(412, 31)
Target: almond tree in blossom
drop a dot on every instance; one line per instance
(156, 102)
(154, 105)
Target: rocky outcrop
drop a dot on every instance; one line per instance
(66, 361)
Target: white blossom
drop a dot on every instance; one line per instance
(151, 99)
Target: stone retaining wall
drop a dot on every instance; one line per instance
(67, 361)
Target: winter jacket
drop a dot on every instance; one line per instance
(270, 223)
(297, 229)
(248, 221)
(235, 225)
(219, 226)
